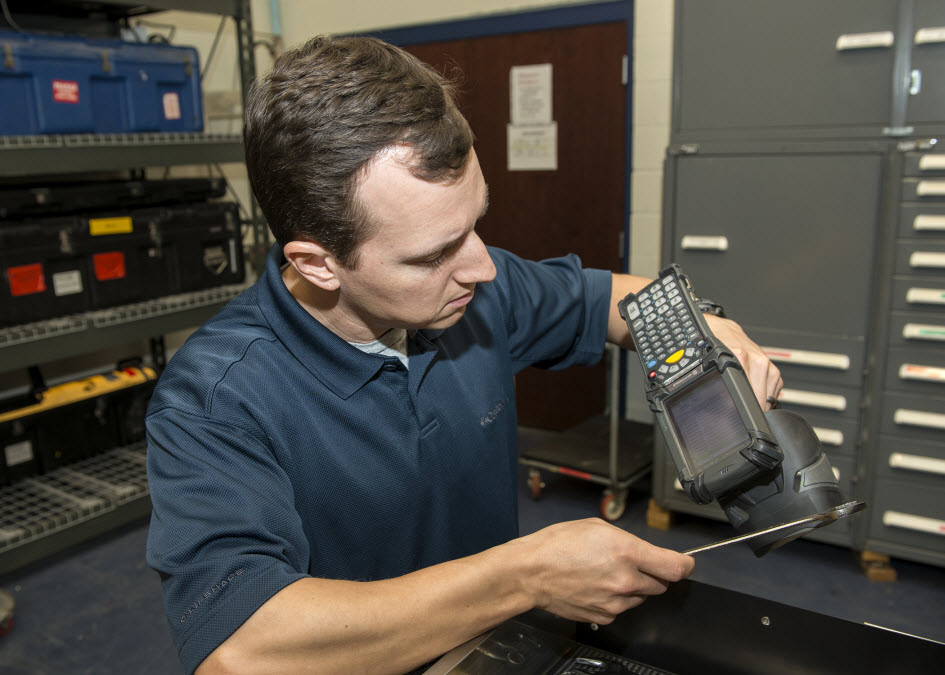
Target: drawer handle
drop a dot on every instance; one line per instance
(928, 221)
(813, 399)
(908, 521)
(900, 460)
(692, 242)
(922, 331)
(930, 188)
(913, 371)
(805, 358)
(927, 259)
(931, 35)
(850, 41)
(926, 296)
(829, 436)
(918, 418)
(931, 162)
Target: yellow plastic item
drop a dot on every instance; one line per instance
(673, 358)
(79, 390)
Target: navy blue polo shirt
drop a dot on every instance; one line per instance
(276, 450)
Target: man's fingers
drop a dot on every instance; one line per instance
(665, 565)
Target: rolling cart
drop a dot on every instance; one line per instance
(606, 450)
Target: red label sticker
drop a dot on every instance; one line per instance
(65, 91)
(26, 279)
(109, 265)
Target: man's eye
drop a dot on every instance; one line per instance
(433, 263)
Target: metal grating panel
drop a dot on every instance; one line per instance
(38, 507)
(164, 305)
(42, 330)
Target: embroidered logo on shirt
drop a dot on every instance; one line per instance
(489, 417)
(219, 586)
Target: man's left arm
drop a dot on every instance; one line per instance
(764, 376)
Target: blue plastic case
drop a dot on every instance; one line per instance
(73, 85)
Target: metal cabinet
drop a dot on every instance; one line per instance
(750, 68)
(905, 459)
(804, 190)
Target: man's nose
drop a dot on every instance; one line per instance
(476, 266)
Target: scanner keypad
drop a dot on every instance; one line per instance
(664, 330)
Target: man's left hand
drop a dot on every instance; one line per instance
(764, 376)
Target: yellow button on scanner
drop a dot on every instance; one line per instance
(673, 358)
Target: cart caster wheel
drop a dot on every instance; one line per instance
(613, 506)
(534, 483)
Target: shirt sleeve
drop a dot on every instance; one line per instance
(556, 312)
(224, 535)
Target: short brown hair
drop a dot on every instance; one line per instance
(326, 109)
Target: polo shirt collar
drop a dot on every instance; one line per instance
(339, 366)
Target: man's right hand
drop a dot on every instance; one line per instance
(584, 570)
(589, 570)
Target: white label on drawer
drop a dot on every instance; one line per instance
(927, 259)
(930, 35)
(908, 521)
(884, 38)
(922, 331)
(931, 162)
(930, 188)
(813, 399)
(926, 296)
(67, 283)
(919, 418)
(805, 358)
(912, 371)
(704, 243)
(927, 221)
(829, 436)
(17, 453)
(901, 460)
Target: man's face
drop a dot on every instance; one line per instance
(420, 268)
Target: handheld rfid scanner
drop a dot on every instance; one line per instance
(764, 469)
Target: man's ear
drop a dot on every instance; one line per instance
(314, 263)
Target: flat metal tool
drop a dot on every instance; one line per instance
(833, 514)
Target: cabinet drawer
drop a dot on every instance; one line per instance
(916, 371)
(922, 220)
(923, 190)
(917, 330)
(921, 417)
(828, 402)
(926, 258)
(920, 462)
(817, 358)
(734, 224)
(921, 294)
(924, 164)
(908, 514)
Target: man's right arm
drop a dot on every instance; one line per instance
(585, 570)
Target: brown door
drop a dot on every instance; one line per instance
(579, 208)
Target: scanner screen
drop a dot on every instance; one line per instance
(706, 421)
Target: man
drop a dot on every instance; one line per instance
(332, 458)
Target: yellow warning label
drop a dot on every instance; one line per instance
(121, 225)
